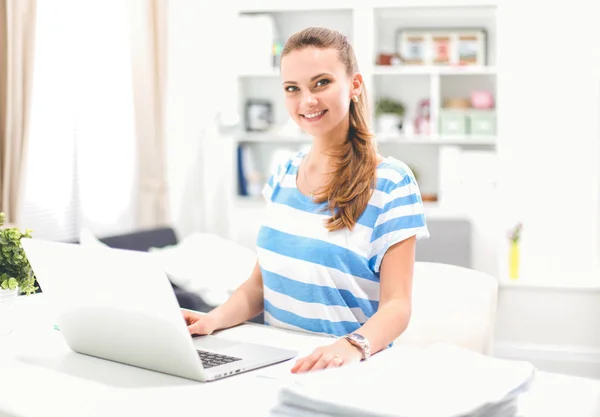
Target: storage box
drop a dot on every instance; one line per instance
(453, 122)
(482, 122)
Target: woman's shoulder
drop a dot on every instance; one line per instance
(285, 161)
(393, 173)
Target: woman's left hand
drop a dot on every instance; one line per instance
(332, 356)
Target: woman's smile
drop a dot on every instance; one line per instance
(314, 116)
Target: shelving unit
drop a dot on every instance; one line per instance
(372, 30)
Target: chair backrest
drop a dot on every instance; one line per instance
(452, 304)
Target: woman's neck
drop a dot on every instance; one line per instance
(320, 158)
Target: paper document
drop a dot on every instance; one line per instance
(437, 381)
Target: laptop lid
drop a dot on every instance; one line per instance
(115, 304)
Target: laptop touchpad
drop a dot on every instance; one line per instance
(213, 343)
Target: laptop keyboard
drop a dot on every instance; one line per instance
(211, 359)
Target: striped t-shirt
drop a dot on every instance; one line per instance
(327, 282)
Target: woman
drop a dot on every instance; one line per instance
(336, 251)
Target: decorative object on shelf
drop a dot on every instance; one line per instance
(422, 121)
(413, 48)
(471, 47)
(514, 253)
(443, 47)
(388, 59)
(390, 115)
(482, 99)
(16, 275)
(482, 122)
(457, 103)
(453, 122)
(259, 115)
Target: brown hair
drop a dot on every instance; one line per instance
(351, 185)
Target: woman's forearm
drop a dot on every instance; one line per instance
(386, 324)
(244, 304)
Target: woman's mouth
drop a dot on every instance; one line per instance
(314, 117)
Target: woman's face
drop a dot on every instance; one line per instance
(317, 89)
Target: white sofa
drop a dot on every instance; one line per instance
(452, 304)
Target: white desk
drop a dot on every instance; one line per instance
(40, 376)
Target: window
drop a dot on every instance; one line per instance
(81, 158)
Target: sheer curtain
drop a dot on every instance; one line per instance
(81, 168)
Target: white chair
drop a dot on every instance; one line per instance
(452, 304)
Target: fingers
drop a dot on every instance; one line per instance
(306, 363)
(189, 316)
(335, 362)
(317, 361)
(197, 324)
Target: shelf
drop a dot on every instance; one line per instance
(436, 140)
(393, 139)
(431, 70)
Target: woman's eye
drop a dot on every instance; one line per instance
(321, 83)
(291, 88)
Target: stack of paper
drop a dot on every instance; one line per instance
(438, 381)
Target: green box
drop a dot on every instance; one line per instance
(482, 122)
(453, 122)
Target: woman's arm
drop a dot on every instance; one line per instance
(395, 296)
(390, 320)
(244, 304)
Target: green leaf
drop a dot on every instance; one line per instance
(4, 285)
(12, 283)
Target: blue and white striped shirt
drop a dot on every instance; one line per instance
(328, 282)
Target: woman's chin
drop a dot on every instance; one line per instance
(316, 130)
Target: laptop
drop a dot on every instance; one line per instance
(119, 305)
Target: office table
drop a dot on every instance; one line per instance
(41, 376)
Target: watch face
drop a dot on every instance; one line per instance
(358, 337)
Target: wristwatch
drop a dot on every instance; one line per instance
(361, 343)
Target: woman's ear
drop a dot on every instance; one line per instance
(356, 86)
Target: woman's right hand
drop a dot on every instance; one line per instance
(200, 324)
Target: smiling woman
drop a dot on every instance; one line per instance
(337, 247)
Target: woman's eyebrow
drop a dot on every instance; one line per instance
(311, 78)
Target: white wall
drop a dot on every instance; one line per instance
(549, 72)
(201, 85)
(549, 133)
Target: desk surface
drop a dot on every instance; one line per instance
(41, 376)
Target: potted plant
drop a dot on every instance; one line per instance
(390, 115)
(16, 274)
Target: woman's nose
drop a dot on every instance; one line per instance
(311, 99)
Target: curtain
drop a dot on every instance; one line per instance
(17, 35)
(148, 35)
